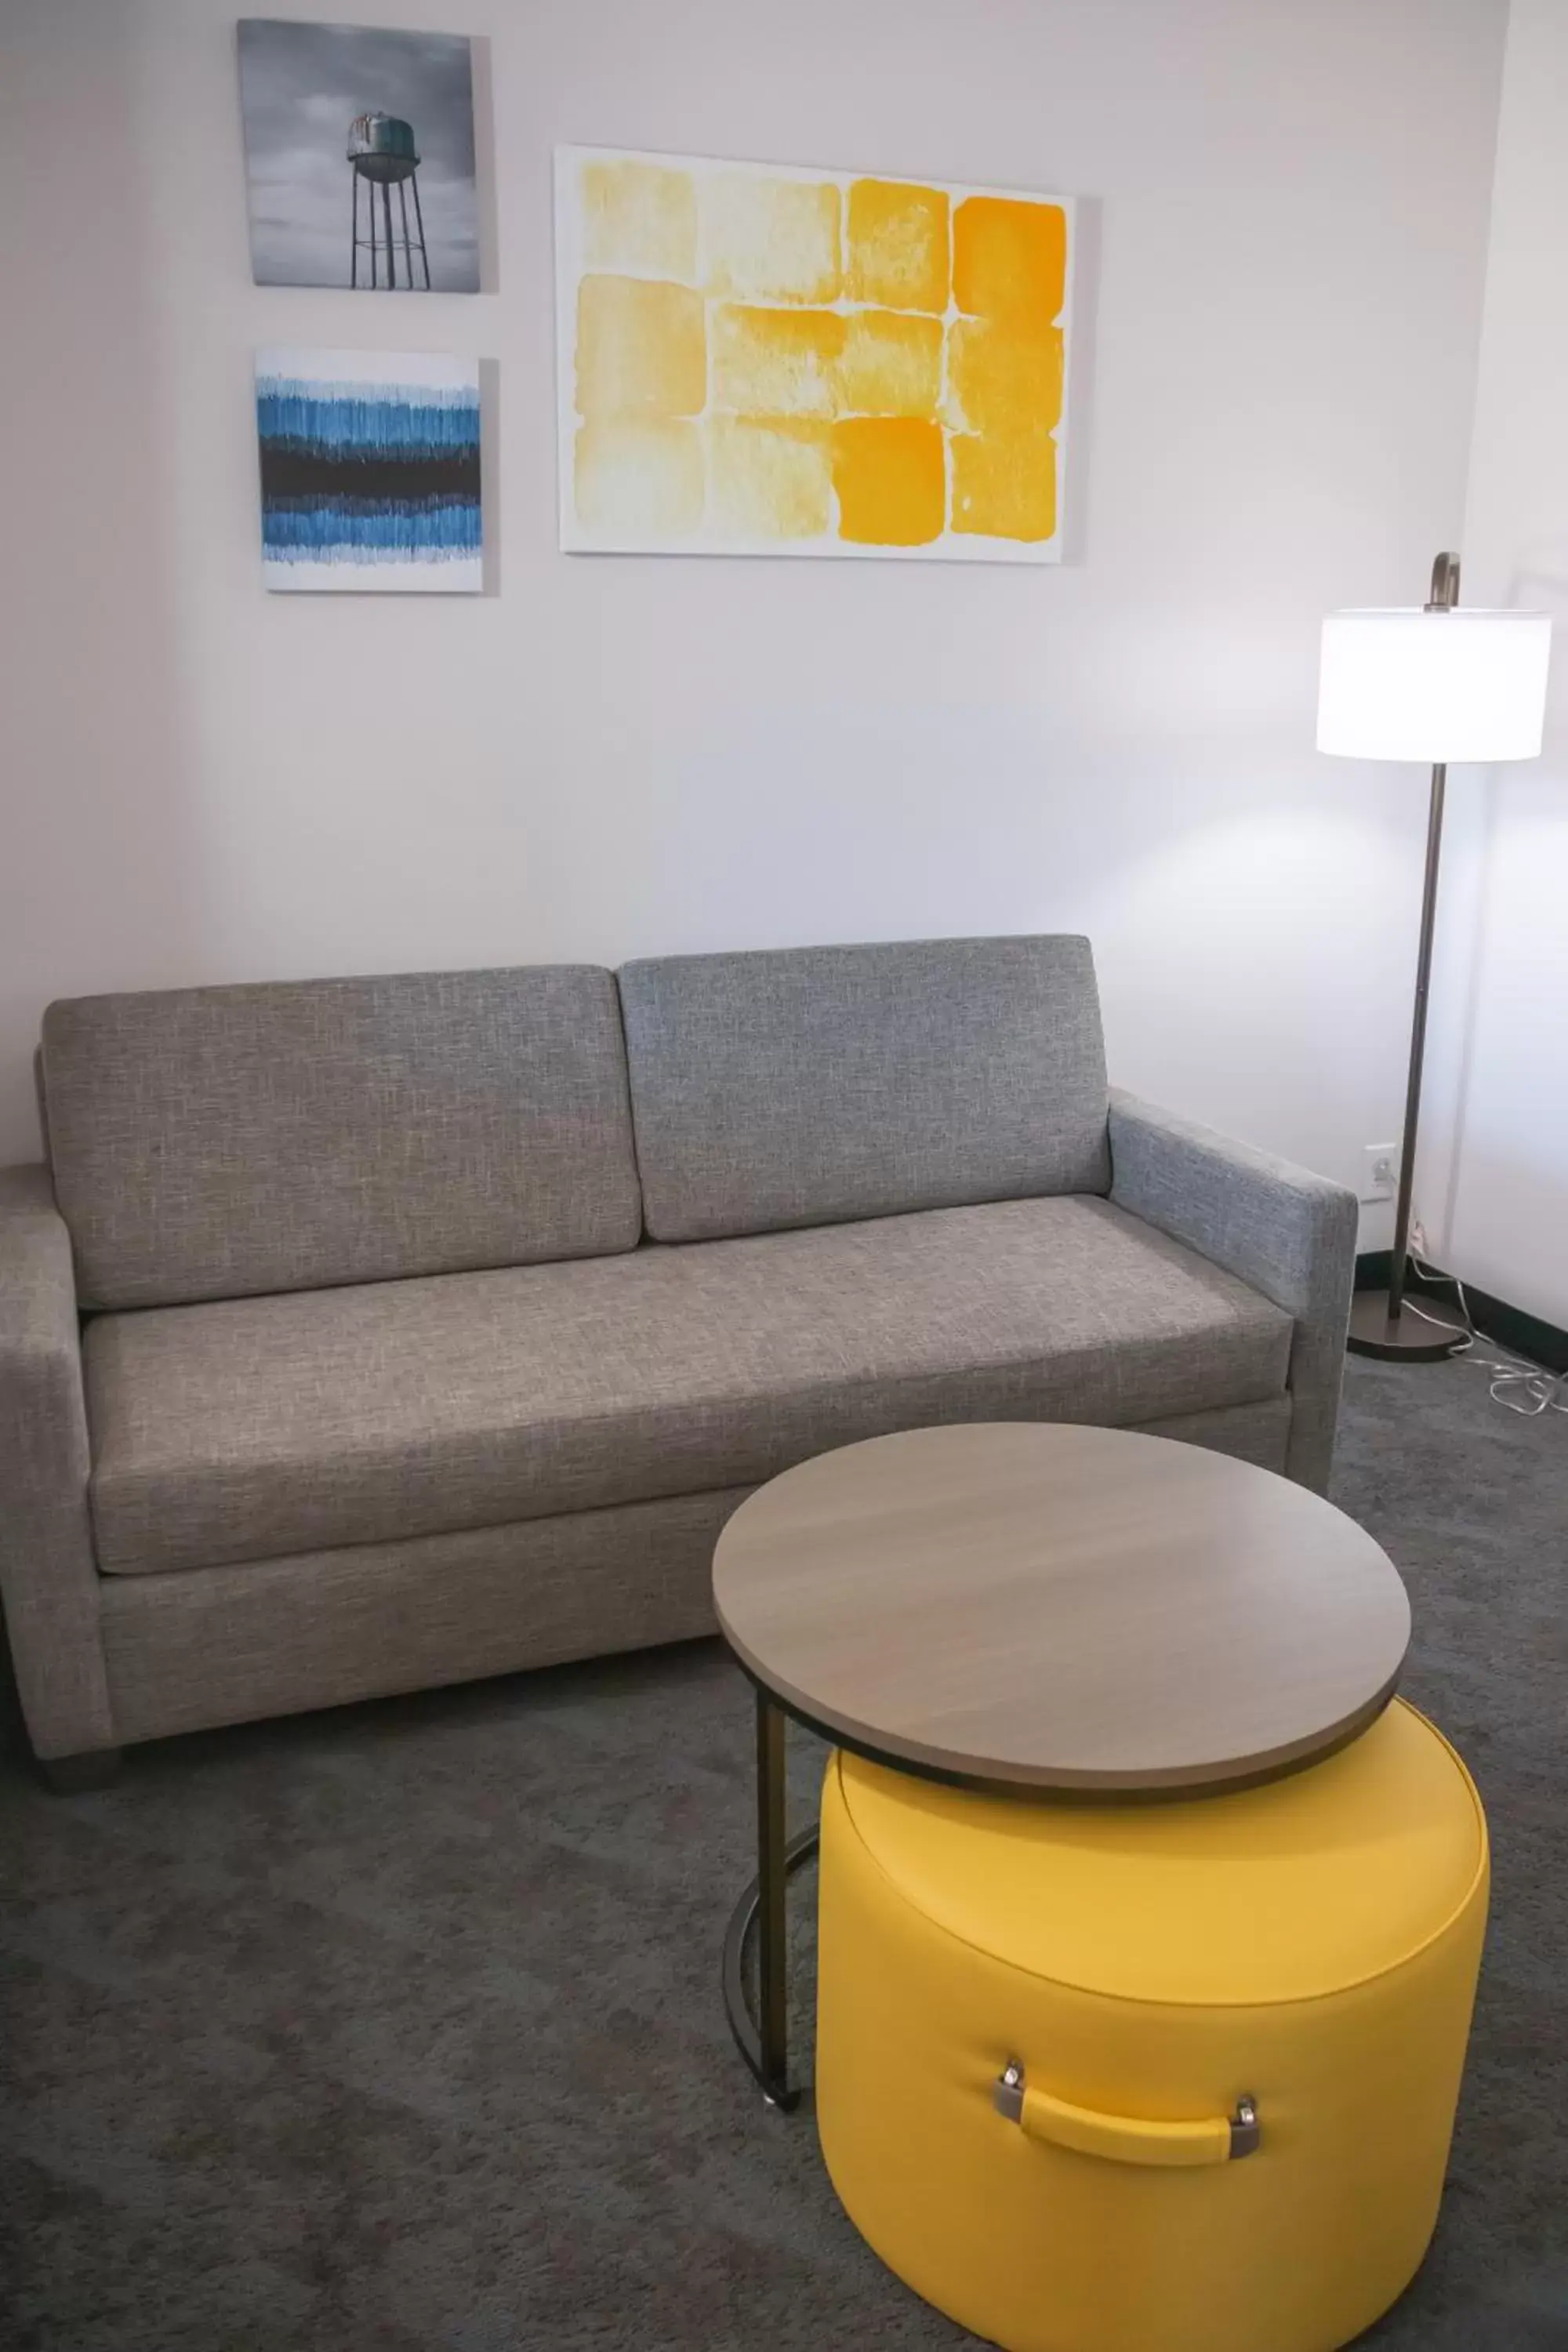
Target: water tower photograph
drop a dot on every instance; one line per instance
(359, 150)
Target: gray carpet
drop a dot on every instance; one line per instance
(399, 2027)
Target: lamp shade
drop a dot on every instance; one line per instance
(1434, 685)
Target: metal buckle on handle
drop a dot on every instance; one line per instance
(1007, 2097)
(1008, 2094)
(1245, 2130)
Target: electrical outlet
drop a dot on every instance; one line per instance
(1379, 1171)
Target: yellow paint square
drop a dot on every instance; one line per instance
(1009, 258)
(641, 349)
(896, 246)
(639, 216)
(771, 240)
(1004, 485)
(1003, 375)
(891, 477)
(892, 365)
(639, 476)
(769, 480)
(776, 362)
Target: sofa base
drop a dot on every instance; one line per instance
(187, 1649)
(77, 1776)
(190, 1648)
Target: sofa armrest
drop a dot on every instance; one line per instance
(49, 1579)
(1290, 1235)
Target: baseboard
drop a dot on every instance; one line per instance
(1510, 1326)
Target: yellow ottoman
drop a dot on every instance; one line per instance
(1164, 2077)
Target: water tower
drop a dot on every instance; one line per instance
(383, 156)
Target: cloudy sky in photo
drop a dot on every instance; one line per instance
(301, 87)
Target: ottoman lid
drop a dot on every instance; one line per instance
(1299, 1887)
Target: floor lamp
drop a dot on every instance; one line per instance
(1443, 685)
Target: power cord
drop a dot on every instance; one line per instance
(1536, 1389)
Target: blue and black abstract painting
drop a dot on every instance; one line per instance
(370, 469)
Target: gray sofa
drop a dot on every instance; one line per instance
(361, 1335)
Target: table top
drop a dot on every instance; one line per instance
(1037, 1605)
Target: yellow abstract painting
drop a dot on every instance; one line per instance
(760, 360)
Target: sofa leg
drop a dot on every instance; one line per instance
(73, 1776)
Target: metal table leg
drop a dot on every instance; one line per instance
(764, 2042)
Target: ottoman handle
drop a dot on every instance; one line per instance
(1125, 2139)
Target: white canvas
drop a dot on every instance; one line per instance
(763, 360)
(370, 470)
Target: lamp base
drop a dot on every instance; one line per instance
(1408, 1337)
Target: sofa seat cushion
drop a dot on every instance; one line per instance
(247, 1429)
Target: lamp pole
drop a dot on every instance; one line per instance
(1380, 1324)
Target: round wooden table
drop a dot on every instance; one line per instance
(1040, 1608)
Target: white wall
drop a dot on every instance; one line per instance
(615, 756)
(1494, 1183)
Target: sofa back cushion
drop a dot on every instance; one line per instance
(810, 1084)
(213, 1143)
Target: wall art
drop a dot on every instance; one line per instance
(756, 359)
(359, 152)
(370, 470)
